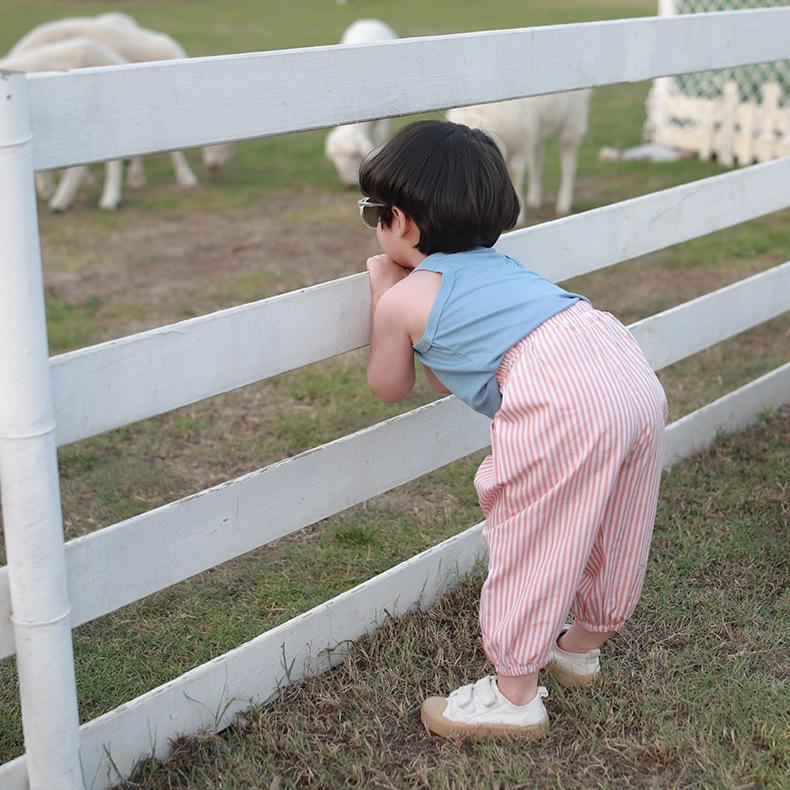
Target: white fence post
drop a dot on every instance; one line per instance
(28, 469)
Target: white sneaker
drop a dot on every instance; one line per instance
(574, 669)
(480, 710)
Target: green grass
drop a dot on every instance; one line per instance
(72, 325)
(276, 220)
(694, 694)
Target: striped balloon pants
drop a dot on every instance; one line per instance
(570, 488)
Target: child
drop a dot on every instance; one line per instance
(570, 488)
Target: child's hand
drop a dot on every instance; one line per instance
(384, 273)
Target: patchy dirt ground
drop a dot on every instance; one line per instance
(149, 268)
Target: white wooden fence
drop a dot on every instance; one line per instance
(49, 588)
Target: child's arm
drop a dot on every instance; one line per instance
(391, 357)
(436, 385)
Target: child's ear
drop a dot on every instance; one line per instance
(402, 222)
(398, 220)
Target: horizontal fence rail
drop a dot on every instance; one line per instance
(209, 696)
(256, 670)
(114, 383)
(122, 563)
(600, 237)
(729, 414)
(145, 108)
(108, 385)
(681, 331)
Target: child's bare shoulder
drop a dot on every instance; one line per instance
(415, 296)
(418, 289)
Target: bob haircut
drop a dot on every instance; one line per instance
(449, 179)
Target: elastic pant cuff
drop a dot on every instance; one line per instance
(512, 670)
(597, 628)
(515, 672)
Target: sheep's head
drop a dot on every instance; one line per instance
(215, 157)
(345, 148)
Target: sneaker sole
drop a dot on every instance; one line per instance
(570, 679)
(432, 717)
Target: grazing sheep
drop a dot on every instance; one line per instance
(119, 31)
(347, 146)
(71, 27)
(72, 54)
(136, 45)
(520, 128)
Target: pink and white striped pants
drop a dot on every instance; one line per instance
(570, 488)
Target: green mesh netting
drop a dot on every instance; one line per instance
(709, 84)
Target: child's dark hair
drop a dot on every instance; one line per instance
(451, 180)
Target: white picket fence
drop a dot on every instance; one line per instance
(48, 588)
(738, 114)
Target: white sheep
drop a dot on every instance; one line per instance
(346, 146)
(136, 45)
(521, 127)
(74, 53)
(53, 32)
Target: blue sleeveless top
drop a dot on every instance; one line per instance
(487, 302)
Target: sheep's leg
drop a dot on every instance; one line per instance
(45, 184)
(113, 179)
(67, 188)
(568, 148)
(184, 175)
(535, 191)
(517, 165)
(135, 177)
